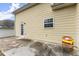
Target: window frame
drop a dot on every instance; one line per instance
(48, 22)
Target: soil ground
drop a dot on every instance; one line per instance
(11, 42)
(42, 49)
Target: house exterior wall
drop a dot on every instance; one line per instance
(77, 24)
(64, 23)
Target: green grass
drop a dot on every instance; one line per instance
(7, 28)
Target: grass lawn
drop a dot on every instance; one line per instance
(7, 28)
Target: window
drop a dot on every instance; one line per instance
(22, 29)
(48, 22)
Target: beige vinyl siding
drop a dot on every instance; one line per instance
(34, 19)
(64, 23)
(17, 26)
(77, 24)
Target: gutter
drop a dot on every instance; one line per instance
(56, 6)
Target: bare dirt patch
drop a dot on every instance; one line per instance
(39, 48)
(12, 42)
